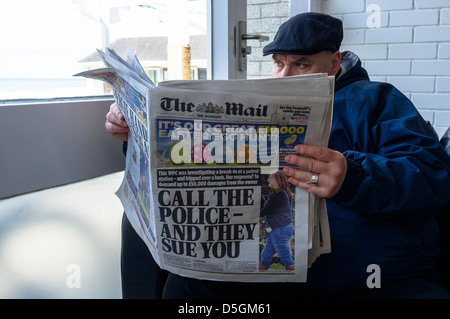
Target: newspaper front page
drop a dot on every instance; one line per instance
(203, 185)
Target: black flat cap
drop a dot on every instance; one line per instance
(307, 33)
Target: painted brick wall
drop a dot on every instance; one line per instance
(263, 17)
(403, 42)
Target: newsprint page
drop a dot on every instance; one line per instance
(203, 185)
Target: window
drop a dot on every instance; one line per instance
(44, 43)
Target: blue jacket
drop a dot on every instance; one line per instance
(277, 209)
(398, 178)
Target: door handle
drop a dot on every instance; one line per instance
(242, 50)
(259, 37)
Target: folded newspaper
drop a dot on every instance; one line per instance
(203, 185)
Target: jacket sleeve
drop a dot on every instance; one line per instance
(270, 205)
(397, 169)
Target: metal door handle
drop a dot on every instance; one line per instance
(259, 37)
(241, 47)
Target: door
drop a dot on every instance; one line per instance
(229, 42)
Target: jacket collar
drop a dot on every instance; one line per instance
(351, 70)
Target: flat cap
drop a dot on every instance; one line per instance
(307, 33)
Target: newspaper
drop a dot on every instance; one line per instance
(203, 185)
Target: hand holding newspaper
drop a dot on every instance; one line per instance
(203, 185)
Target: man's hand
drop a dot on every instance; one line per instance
(329, 165)
(115, 123)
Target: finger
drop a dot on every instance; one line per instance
(117, 131)
(318, 152)
(318, 159)
(308, 163)
(298, 175)
(113, 128)
(115, 109)
(302, 179)
(116, 119)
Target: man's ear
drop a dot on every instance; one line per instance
(336, 58)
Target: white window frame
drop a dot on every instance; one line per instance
(223, 17)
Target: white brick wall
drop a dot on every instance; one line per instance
(263, 17)
(413, 17)
(410, 47)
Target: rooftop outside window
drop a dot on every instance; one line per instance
(44, 43)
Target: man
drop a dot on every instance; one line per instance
(384, 175)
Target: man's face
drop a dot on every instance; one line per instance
(322, 62)
(272, 182)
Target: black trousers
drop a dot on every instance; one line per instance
(141, 276)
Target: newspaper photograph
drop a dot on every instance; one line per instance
(203, 184)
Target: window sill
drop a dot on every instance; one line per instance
(57, 100)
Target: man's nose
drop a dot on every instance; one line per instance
(286, 71)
